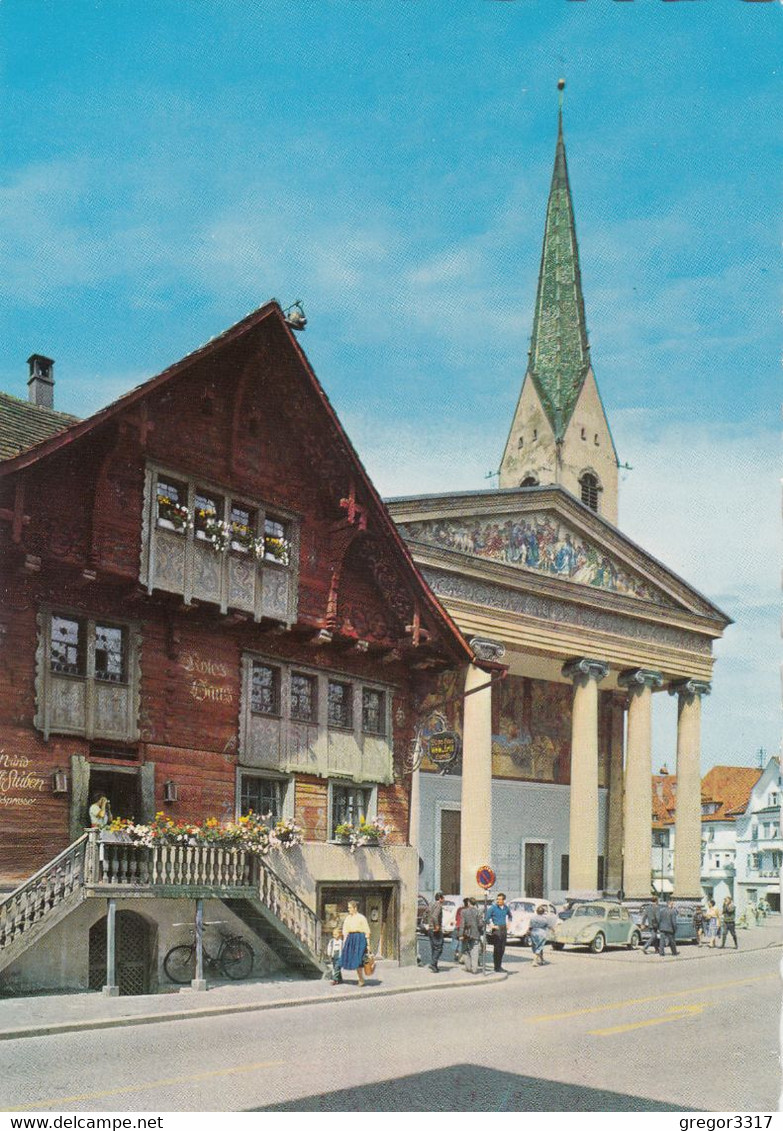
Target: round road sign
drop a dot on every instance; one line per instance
(485, 877)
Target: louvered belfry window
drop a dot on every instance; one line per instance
(589, 486)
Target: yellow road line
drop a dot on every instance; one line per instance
(676, 1013)
(60, 1100)
(653, 997)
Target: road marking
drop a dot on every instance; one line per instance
(653, 997)
(676, 1013)
(60, 1100)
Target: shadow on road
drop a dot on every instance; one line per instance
(472, 1087)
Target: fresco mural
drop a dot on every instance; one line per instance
(531, 728)
(537, 542)
(441, 709)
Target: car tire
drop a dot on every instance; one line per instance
(598, 944)
(636, 940)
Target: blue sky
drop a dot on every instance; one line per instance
(167, 167)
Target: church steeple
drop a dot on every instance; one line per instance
(560, 433)
(559, 352)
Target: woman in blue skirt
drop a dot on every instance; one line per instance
(356, 941)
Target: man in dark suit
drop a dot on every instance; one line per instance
(435, 929)
(667, 928)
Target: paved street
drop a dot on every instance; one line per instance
(618, 1031)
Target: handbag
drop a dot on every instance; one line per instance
(369, 964)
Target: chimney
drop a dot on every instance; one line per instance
(41, 382)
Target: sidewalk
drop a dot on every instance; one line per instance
(47, 1014)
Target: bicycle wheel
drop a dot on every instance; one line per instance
(179, 964)
(236, 958)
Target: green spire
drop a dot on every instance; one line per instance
(559, 351)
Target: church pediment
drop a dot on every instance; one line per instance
(539, 542)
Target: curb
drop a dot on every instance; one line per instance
(52, 1030)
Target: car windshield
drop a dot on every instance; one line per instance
(588, 910)
(521, 905)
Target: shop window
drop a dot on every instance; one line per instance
(88, 678)
(350, 805)
(209, 546)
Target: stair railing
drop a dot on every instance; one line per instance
(42, 892)
(292, 911)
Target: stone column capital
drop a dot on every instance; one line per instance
(636, 678)
(690, 687)
(581, 667)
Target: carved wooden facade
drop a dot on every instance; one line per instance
(185, 575)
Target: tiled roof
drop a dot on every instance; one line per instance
(23, 425)
(730, 786)
(664, 799)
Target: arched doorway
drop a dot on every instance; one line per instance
(133, 954)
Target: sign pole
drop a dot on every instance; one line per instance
(485, 878)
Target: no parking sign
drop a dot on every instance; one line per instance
(485, 877)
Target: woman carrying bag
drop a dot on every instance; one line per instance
(356, 942)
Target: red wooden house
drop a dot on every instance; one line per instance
(206, 611)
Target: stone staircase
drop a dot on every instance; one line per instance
(106, 867)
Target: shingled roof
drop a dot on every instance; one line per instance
(23, 425)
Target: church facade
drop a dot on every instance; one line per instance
(553, 788)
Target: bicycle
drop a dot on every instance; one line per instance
(234, 958)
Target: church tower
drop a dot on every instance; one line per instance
(560, 433)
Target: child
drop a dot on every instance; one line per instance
(334, 950)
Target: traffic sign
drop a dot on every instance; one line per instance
(485, 877)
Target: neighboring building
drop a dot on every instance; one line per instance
(725, 791)
(759, 842)
(538, 576)
(206, 610)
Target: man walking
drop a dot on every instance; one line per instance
(729, 922)
(471, 936)
(498, 916)
(650, 913)
(667, 928)
(435, 928)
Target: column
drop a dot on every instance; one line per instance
(476, 815)
(687, 817)
(637, 846)
(583, 826)
(111, 989)
(614, 852)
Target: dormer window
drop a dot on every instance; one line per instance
(589, 487)
(529, 481)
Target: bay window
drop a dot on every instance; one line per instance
(207, 544)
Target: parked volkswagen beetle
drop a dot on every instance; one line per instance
(597, 925)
